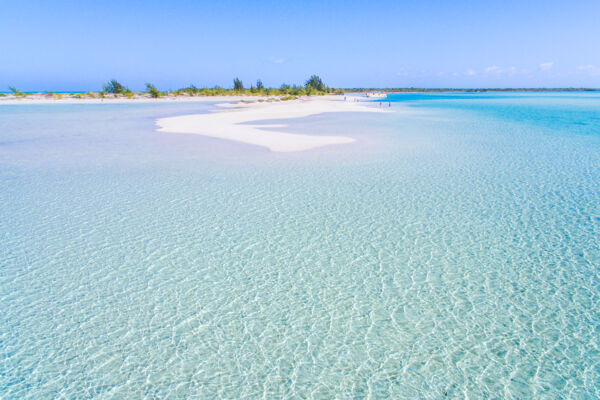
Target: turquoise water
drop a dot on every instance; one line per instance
(452, 252)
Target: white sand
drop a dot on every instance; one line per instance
(227, 124)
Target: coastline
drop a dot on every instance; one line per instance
(245, 123)
(41, 99)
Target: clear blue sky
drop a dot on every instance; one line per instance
(78, 45)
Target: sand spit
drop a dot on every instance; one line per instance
(245, 123)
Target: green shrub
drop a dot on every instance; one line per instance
(284, 88)
(154, 92)
(297, 91)
(315, 83)
(15, 91)
(115, 87)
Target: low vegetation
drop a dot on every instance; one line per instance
(16, 91)
(115, 87)
(152, 90)
(313, 86)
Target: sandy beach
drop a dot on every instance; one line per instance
(246, 123)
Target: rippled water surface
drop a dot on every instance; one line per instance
(452, 252)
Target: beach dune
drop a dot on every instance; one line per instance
(246, 123)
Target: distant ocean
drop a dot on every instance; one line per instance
(453, 251)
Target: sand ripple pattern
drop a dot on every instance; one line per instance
(450, 271)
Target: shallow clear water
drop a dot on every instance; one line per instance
(452, 252)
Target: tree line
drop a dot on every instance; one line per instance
(313, 86)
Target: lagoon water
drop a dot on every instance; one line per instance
(452, 252)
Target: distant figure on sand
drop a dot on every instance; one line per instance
(389, 103)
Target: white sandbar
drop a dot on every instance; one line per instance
(237, 124)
